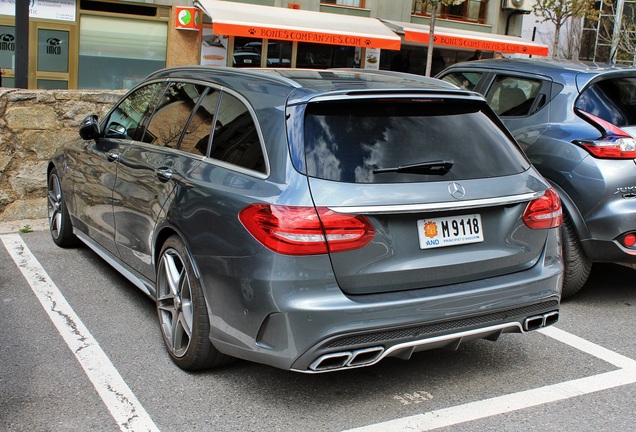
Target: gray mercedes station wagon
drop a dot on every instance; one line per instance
(312, 220)
(577, 124)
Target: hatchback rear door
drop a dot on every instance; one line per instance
(443, 186)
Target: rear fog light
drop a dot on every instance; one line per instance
(629, 240)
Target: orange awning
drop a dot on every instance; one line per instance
(240, 19)
(469, 40)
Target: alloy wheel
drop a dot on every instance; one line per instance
(174, 302)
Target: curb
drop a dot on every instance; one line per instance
(13, 227)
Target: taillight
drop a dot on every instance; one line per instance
(544, 212)
(305, 230)
(614, 143)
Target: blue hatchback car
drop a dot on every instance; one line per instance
(312, 220)
(577, 124)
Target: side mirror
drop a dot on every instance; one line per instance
(115, 130)
(89, 129)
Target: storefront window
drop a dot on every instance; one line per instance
(52, 84)
(53, 50)
(248, 53)
(118, 53)
(352, 3)
(470, 10)
(317, 56)
(7, 47)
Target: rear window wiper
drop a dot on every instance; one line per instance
(437, 167)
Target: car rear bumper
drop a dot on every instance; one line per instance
(609, 251)
(318, 328)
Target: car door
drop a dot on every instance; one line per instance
(155, 164)
(100, 159)
(521, 101)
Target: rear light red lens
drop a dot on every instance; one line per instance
(305, 230)
(544, 212)
(614, 142)
(629, 240)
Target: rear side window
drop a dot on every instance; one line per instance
(513, 96)
(367, 141)
(235, 138)
(613, 100)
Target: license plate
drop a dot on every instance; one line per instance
(449, 231)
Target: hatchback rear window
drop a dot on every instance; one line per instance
(369, 141)
(613, 100)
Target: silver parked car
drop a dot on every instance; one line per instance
(577, 124)
(312, 220)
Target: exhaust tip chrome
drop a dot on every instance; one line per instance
(331, 361)
(550, 318)
(538, 321)
(533, 323)
(347, 359)
(365, 356)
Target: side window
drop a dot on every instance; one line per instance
(235, 138)
(172, 114)
(463, 80)
(126, 119)
(197, 134)
(513, 96)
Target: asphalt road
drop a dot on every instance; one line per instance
(80, 350)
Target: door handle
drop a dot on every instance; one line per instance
(164, 174)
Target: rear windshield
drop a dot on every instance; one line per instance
(368, 141)
(613, 100)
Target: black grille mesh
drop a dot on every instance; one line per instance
(418, 332)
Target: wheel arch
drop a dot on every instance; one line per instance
(163, 234)
(573, 212)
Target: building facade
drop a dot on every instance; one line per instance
(113, 44)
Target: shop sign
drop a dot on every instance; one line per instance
(294, 35)
(477, 44)
(372, 59)
(188, 18)
(60, 10)
(213, 49)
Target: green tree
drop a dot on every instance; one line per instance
(558, 12)
(617, 29)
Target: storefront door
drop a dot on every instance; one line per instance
(52, 56)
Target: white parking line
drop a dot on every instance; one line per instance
(129, 414)
(524, 399)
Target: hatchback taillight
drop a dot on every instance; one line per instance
(305, 230)
(614, 143)
(544, 212)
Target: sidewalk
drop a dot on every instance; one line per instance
(14, 227)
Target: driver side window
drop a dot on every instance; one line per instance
(126, 121)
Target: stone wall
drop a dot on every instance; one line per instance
(33, 124)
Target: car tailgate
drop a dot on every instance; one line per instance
(492, 238)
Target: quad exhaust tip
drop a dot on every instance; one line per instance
(341, 360)
(539, 321)
(368, 356)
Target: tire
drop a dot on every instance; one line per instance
(60, 225)
(182, 312)
(577, 266)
